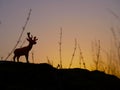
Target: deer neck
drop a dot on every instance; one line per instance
(30, 46)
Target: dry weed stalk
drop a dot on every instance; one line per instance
(60, 48)
(49, 62)
(96, 48)
(114, 14)
(116, 43)
(98, 54)
(73, 54)
(81, 58)
(115, 64)
(23, 43)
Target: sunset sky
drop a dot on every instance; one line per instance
(85, 20)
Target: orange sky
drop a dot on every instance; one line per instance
(85, 20)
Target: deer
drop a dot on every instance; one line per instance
(24, 51)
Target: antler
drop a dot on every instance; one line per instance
(31, 37)
(28, 35)
(35, 39)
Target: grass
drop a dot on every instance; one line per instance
(73, 55)
(81, 58)
(60, 48)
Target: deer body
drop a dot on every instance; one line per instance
(24, 51)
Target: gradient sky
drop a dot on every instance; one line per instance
(85, 20)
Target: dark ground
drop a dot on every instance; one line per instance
(23, 76)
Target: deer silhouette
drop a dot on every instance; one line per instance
(24, 51)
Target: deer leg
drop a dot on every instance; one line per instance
(14, 58)
(26, 56)
(18, 58)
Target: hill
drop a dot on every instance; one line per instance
(23, 76)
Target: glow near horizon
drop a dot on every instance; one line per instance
(85, 20)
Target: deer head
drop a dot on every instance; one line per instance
(32, 40)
